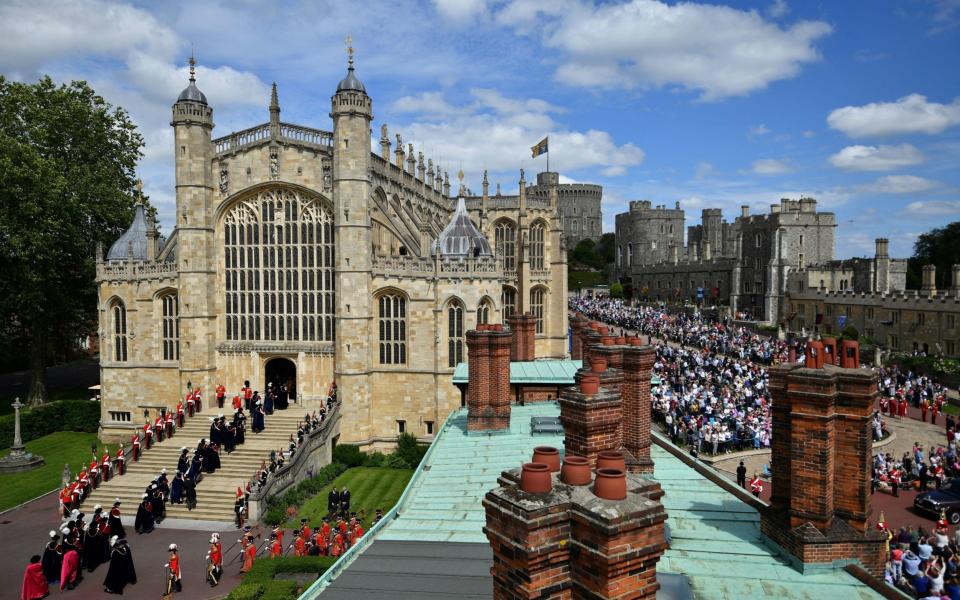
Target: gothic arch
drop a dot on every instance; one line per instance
(230, 201)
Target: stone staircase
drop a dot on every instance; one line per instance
(216, 492)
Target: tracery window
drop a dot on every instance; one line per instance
(393, 329)
(170, 326)
(483, 313)
(278, 266)
(505, 239)
(454, 333)
(119, 312)
(536, 306)
(509, 301)
(536, 247)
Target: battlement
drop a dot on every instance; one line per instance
(293, 135)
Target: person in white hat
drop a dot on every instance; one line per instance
(214, 560)
(121, 571)
(174, 576)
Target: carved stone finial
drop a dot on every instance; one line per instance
(399, 143)
(193, 67)
(349, 42)
(384, 135)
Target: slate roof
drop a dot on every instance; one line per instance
(461, 238)
(716, 540)
(132, 245)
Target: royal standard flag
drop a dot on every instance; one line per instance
(541, 147)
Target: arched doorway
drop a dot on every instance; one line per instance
(281, 379)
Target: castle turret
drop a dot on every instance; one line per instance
(928, 286)
(192, 124)
(881, 266)
(352, 111)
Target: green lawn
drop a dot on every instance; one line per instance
(56, 449)
(370, 488)
(580, 279)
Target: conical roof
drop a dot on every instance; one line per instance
(461, 238)
(132, 245)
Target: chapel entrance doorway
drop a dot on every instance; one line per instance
(281, 380)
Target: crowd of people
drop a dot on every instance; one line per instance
(925, 564)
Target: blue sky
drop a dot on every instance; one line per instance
(711, 105)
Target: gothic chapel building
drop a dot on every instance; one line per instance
(301, 257)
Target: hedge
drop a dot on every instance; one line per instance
(297, 495)
(259, 583)
(408, 454)
(66, 415)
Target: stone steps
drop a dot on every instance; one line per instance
(216, 491)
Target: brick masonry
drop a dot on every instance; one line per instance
(488, 404)
(571, 544)
(523, 328)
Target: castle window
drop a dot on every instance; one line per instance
(119, 312)
(429, 425)
(868, 313)
(170, 326)
(536, 247)
(800, 262)
(951, 321)
(278, 259)
(483, 313)
(536, 307)
(455, 333)
(505, 239)
(758, 239)
(629, 254)
(393, 329)
(509, 301)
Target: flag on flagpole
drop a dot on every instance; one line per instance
(541, 147)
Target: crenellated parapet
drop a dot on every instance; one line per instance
(114, 272)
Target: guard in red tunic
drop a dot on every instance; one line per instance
(198, 400)
(174, 577)
(190, 405)
(147, 435)
(214, 561)
(300, 545)
(221, 394)
(276, 547)
(158, 427)
(105, 465)
(249, 553)
(756, 485)
(237, 403)
(169, 424)
(247, 392)
(94, 472)
(924, 408)
(180, 413)
(122, 461)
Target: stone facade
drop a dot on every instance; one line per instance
(744, 264)
(301, 257)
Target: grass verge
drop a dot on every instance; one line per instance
(370, 488)
(57, 449)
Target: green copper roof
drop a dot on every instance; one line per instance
(546, 372)
(716, 538)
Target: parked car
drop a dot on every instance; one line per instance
(946, 499)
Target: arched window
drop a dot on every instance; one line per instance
(393, 329)
(483, 313)
(619, 255)
(170, 326)
(536, 247)
(278, 268)
(455, 333)
(536, 306)
(119, 312)
(505, 238)
(509, 301)
(629, 254)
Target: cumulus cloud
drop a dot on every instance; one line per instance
(899, 184)
(932, 208)
(876, 158)
(778, 9)
(769, 166)
(495, 132)
(717, 51)
(704, 170)
(910, 114)
(757, 131)
(461, 11)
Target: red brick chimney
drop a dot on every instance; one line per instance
(577, 324)
(523, 328)
(635, 394)
(571, 543)
(488, 360)
(591, 422)
(820, 460)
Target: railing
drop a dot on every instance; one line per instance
(306, 135)
(135, 270)
(368, 537)
(412, 267)
(241, 139)
(289, 133)
(540, 274)
(281, 479)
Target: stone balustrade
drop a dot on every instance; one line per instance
(133, 270)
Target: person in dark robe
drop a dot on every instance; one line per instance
(176, 488)
(121, 571)
(258, 415)
(213, 452)
(144, 522)
(183, 463)
(159, 504)
(333, 501)
(94, 549)
(215, 431)
(196, 466)
(254, 400)
(240, 421)
(34, 582)
(52, 558)
(163, 484)
(345, 501)
(269, 400)
(116, 525)
(190, 492)
(283, 398)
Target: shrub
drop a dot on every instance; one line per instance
(277, 505)
(282, 589)
(67, 415)
(409, 450)
(395, 461)
(850, 333)
(349, 455)
(246, 591)
(375, 459)
(616, 290)
(259, 583)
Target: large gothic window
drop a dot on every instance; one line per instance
(393, 329)
(455, 333)
(483, 312)
(119, 321)
(536, 247)
(170, 327)
(505, 239)
(278, 265)
(536, 306)
(509, 301)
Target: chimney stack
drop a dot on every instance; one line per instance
(929, 285)
(820, 460)
(523, 328)
(955, 279)
(488, 360)
(637, 366)
(706, 250)
(577, 324)
(744, 210)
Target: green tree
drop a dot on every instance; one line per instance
(67, 173)
(940, 247)
(616, 290)
(606, 249)
(583, 253)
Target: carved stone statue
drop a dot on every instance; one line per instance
(399, 143)
(327, 176)
(224, 179)
(274, 165)
(383, 132)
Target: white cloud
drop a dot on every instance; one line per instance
(716, 50)
(809, 134)
(778, 9)
(769, 166)
(704, 170)
(426, 102)
(461, 11)
(910, 114)
(933, 208)
(757, 131)
(876, 158)
(899, 184)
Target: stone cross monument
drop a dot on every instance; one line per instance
(18, 459)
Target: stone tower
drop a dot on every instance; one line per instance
(352, 111)
(192, 124)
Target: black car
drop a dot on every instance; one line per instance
(945, 499)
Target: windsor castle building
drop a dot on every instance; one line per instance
(301, 257)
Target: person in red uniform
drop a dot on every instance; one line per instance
(304, 529)
(249, 554)
(924, 407)
(902, 407)
(169, 424)
(299, 545)
(135, 443)
(247, 392)
(198, 400)
(756, 485)
(214, 561)
(121, 461)
(276, 547)
(147, 435)
(94, 471)
(158, 427)
(105, 464)
(937, 407)
(174, 576)
(221, 395)
(34, 583)
(237, 403)
(894, 477)
(180, 413)
(66, 500)
(276, 531)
